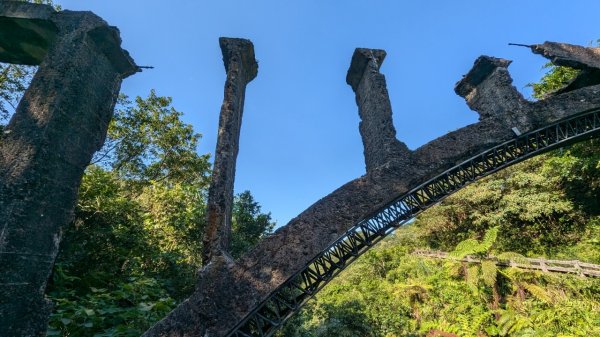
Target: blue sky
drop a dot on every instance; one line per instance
(300, 138)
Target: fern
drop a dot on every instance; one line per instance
(513, 324)
(538, 292)
(513, 257)
(472, 277)
(488, 240)
(466, 247)
(488, 272)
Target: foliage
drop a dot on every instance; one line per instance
(147, 141)
(249, 225)
(414, 296)
(130, 308)
(528, 194)
(14, 79)
(554, 79)
(135, 245)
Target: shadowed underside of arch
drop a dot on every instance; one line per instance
(256, 294)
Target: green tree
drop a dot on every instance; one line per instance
(14, 80)
(249, 225)
(147, 141)
(527, 201)
(134, 248)
(554, 79)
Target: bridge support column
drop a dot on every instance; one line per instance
(60, 122)
(241, 68)
(488, 90)
(375, 110)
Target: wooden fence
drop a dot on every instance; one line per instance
(557, 266)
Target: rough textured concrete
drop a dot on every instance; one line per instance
(564, 54)
(60, 122)
(587, 60)
(241, 68)
(375, 110)
(226, 293)
(488, 90)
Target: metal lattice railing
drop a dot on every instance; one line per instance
(287, 299)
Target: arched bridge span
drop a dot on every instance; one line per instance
(288, 298)
(254, 295)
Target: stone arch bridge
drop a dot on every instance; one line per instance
(62, 120)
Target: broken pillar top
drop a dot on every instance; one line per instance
(108, 41)
(484, 66)
(564, 54)
(28, 31)
(234, 47)
(585, 59)
(360, 60)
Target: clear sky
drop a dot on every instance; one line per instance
(300, 138)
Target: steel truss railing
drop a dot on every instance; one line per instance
(287, 299)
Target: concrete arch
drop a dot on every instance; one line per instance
(254, 295)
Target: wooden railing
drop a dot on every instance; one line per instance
(556, 266)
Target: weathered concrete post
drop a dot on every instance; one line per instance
(241, 68)
(60, 122)
(375, 110)
(487, 89)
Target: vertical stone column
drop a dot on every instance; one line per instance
(241, 68)
(375, 110)
(487, 88)
(60, 122)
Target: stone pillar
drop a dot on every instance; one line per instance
(241, 68)
(375, 110)
(488, 90)
(58, 125)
